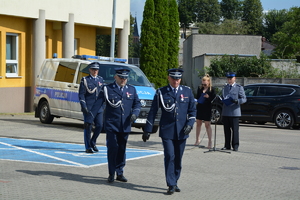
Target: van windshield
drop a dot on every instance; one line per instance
(107, 72)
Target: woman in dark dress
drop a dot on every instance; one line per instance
(205, 94)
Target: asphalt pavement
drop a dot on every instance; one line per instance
(267, 165)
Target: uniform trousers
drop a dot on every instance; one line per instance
(231, 131)
(173, 152)
(98, 121)
(116, 151)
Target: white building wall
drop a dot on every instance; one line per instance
(92, 12)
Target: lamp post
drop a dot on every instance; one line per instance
(112, 41)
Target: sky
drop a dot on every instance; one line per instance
(137, 7)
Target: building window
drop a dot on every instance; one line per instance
(11, 54)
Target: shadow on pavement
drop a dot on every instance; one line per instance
(93, 180)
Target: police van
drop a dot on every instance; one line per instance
(57, 86)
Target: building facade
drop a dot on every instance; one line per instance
(199, 49)
(32, 30)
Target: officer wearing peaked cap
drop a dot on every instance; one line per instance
(88, 93)
(178, 116)
(233, 95)
(122, 108)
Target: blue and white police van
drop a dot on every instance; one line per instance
(57, 85)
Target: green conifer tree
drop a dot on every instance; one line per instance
(161, 42)
(148, 57)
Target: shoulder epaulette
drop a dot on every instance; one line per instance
(186, 86)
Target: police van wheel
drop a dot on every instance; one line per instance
(45, 116)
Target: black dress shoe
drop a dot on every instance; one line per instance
(111, 179)
(177, 189)
(95, 148)
(89, 151)
(224, 148)
(171, 190)
(121, 178)
(235, 149)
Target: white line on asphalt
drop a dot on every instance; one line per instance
(42, 154)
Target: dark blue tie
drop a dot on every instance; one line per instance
(230, 86)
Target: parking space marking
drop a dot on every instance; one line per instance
(56, 153)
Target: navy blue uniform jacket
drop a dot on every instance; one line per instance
(173, 122)
(236, 92)
(89, 91)
(117, 115)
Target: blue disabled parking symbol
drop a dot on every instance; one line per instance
(60, 153)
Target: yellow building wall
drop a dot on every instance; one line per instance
(53, 39)
(86, 43)
(86, 38)
(18, 91)
(22, 27)
(85, 35)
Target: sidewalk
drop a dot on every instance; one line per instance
(267, 166)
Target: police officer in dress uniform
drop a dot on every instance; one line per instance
(122, 108)
(178, 116)
(233, 95)
(89, 89)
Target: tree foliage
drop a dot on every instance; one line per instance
(186, 13)
(273, 20)
(207, 11)
(226, 27)
(287, 40)
(103, 45)
(148, 49)
(231, 9)
(244, 67)
(161, 42)
(133, 48)
(249, 67)
(252, 14)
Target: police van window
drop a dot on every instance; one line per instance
(135, 76)
(66, 72)
(83, 71)
(49, 70)
(107, 72)
(138, 77)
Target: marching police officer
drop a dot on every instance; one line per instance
(233, 95)
(178, 116)
(122, 108)
(88, 92)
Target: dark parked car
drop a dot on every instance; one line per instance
(277, 103)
